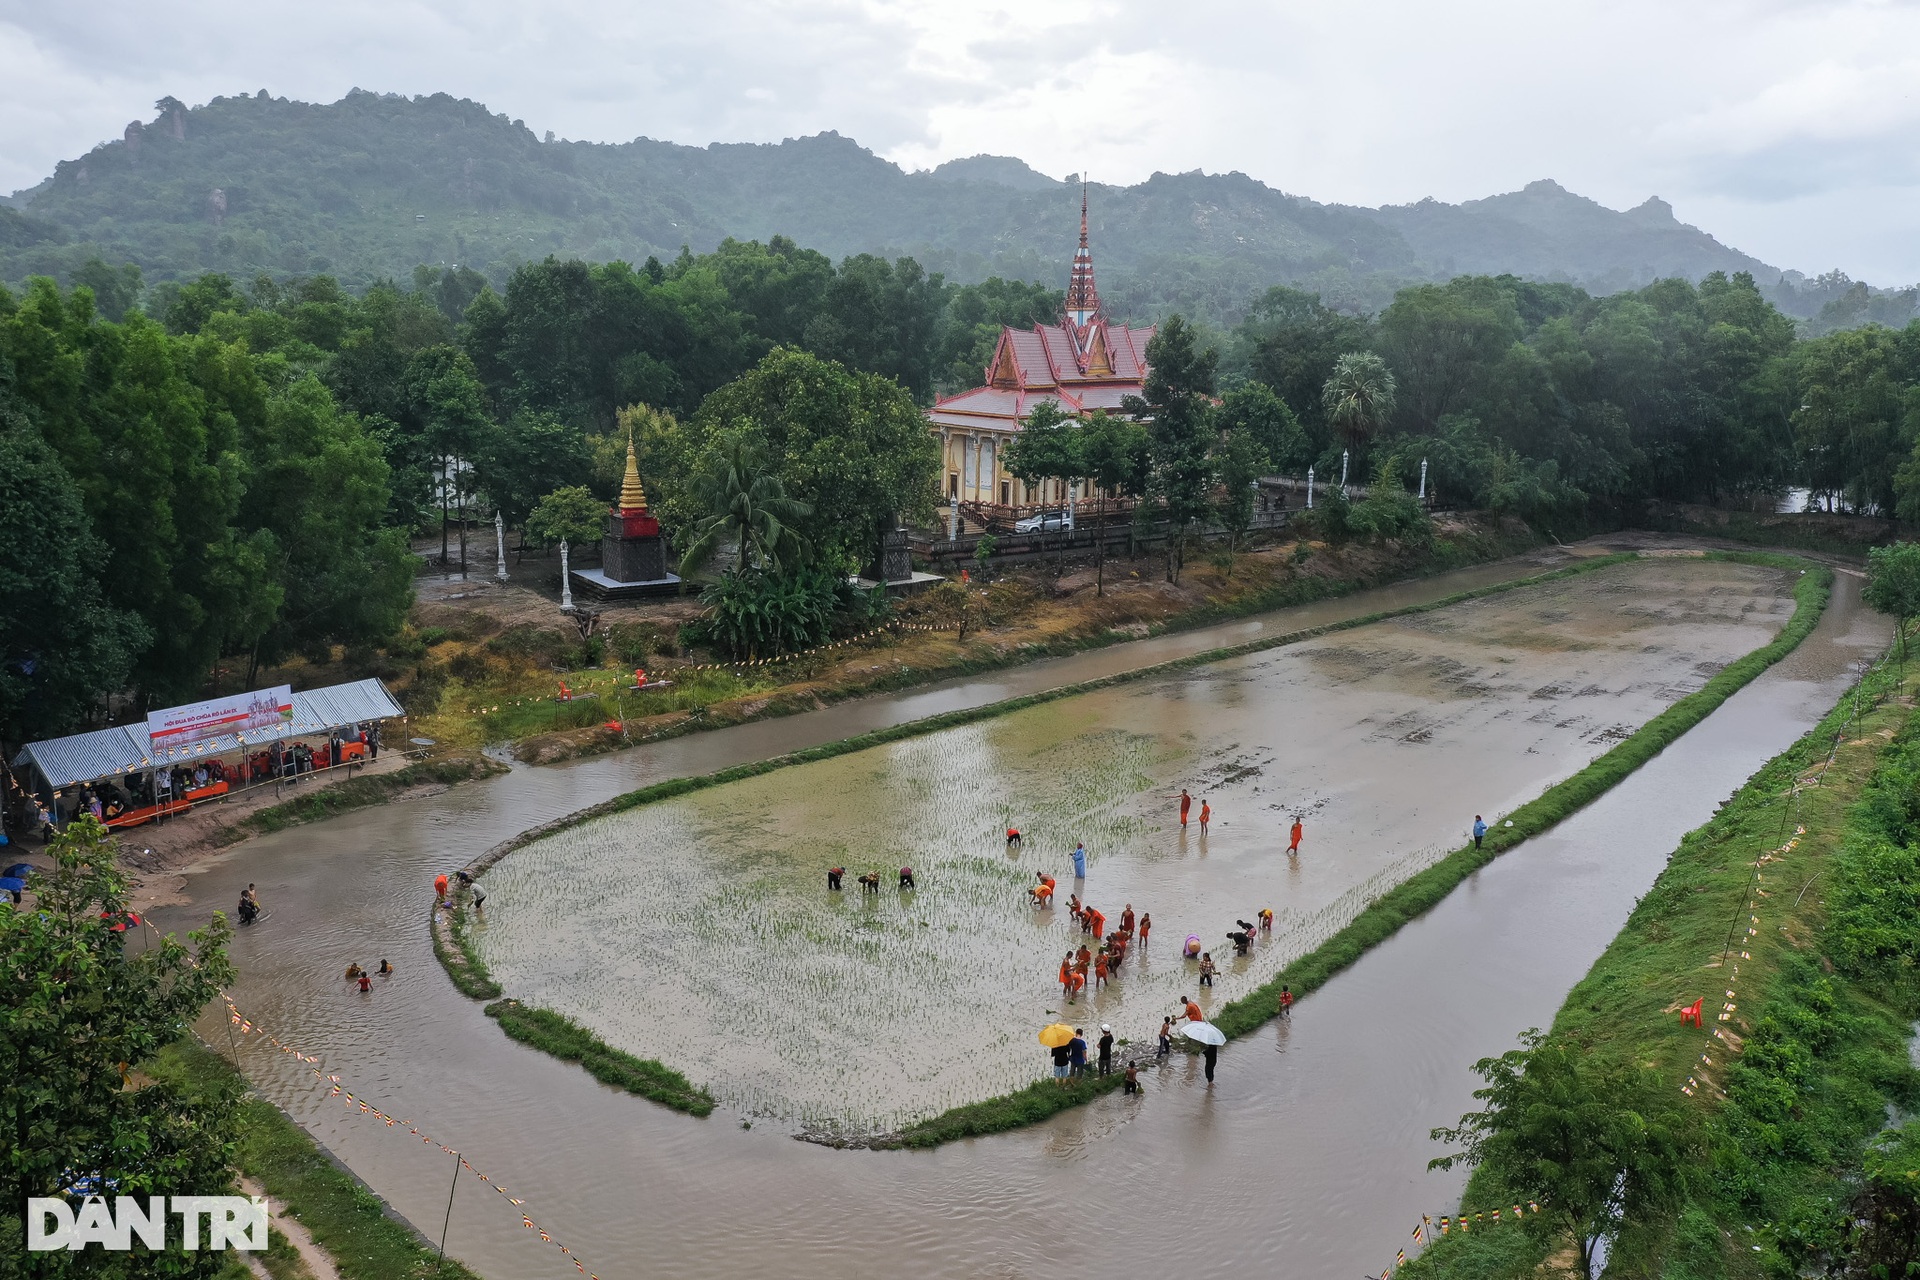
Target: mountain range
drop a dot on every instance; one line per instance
(375, 184)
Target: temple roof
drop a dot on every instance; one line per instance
(1082, 363)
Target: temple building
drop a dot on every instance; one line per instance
(1083, 363)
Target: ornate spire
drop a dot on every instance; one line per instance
(632, 496)
(1083, 299)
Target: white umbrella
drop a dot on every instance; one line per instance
(1204, 1032)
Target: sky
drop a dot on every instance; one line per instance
(1786, 129)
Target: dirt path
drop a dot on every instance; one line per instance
(316, 1262)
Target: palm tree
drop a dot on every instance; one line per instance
(1358, 396)
(745, 507)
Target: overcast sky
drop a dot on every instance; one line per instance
(1786, 129)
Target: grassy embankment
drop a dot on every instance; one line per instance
(1413, 897)
(569, 1041)
(469, 972)
(344, 1218)
(358, 793)
(1826, 994)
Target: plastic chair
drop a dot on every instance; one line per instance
(1690, 1016)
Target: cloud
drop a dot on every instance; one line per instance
(1751, 116)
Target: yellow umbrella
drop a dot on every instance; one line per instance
(1055, 1034)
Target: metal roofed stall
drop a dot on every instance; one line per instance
(110, 753)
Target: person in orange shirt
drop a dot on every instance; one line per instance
(1192, 1011)
(1186, 803)
(1066, 976)
(1100, 971)
(1126, 919)
(1146, 927)
(1096, 923)
(1297, 832)
(1206, 814)
(1042, 892)
(440, 888)
(1083, 961)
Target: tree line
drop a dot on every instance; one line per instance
(212, 473)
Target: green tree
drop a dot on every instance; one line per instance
(1239, 460)
(746, 508)
(1358, 397)
(852, 446)
(1254, 409)
(447, 401)
(1114, 453)
(1893, 584)
(61, 645)
(81, 1008)
(115, 289)
(534, 453)
(1443, 341)
(1593, 1141)
(317, 497)
(566, 516)
(1180, 414)
(1050, 446)
(1289, 341)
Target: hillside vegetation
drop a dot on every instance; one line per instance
(374, 185)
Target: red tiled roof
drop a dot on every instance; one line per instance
(1049, 362)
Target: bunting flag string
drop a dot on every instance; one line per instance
(1427, 1230)
(586, 680)
(336, 1089)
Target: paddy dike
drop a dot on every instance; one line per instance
(698, 930)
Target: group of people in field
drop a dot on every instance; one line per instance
(1088, 964)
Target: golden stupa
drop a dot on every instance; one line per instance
(632, 496)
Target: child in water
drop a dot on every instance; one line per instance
(1146, 926)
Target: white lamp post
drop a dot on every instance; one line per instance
(1423, 479)
(1309, 488)
(1343, 471)
(500, 546)
(566, 581)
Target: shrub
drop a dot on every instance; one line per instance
(760, 614)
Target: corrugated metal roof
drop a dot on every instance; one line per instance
(105, 753)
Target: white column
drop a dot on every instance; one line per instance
(1423, 479)
(1343, 471)
(566, 581)
(1309, 488)
(500, 546)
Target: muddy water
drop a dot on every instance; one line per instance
(700, 932)
(1307, 1153)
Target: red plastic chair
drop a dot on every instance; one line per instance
(1690, 1016)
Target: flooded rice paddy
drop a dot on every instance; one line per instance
(700, 931)
(1306, 1158)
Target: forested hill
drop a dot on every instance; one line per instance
(373, 185)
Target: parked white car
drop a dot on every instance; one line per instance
(1045, 522)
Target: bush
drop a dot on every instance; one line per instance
(760, 614)
(421, 697)
(468, 667)
(540, 645)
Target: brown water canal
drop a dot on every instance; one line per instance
(1307, 1154)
